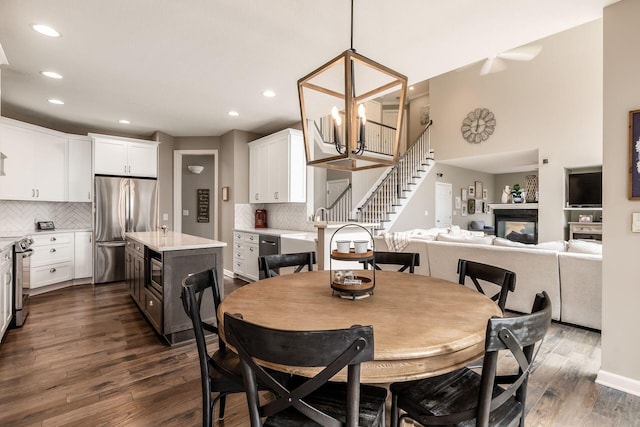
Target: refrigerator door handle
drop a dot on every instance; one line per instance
(123, 208)
(110, 244)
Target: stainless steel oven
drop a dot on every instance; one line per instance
(21, 280)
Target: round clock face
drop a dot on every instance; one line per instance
(478, 125)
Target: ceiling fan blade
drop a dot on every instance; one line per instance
(492, 65)
(524, 53)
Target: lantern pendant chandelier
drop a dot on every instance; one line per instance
(334, 113)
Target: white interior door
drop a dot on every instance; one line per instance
(443, 204)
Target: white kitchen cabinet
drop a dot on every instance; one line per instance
(278, 168)
(82, 259)
(245, 255)
(33, 163)
(79, 171)
(6, 288)
(123, 156)
(52, 259)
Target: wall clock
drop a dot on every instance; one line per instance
(478, 125)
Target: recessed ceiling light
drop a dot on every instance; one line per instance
(56, 101)
(51, 74)
(268, 93)
(124, 121)
(233, 113)
(46, 30)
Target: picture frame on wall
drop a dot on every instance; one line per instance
(463, 212)
(471, 206)
(457, 202)
(479, 187)
(472, 192)
(485, 194)
(634, 155)
(487, 208)
(463, 193)
(479, 207)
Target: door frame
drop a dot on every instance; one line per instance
(177, 187)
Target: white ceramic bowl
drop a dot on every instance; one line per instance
(361, 246)
(343, 246)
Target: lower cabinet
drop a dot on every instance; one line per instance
(6, 289)
(52, 259)
(135, 271)
(245, 255)
(83, 259)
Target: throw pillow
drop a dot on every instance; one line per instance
(584, 247)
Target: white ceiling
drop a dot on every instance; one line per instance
(180, 66)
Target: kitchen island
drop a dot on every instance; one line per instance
(156, 262)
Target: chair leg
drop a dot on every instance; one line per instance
(221, 405)
(207, 410)
(394, 411)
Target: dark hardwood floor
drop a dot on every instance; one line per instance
(87, 357)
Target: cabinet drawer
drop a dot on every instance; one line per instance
(587, 229)
(153, 309)
(239, 266)
(52, 254)
(137, 248)
(46, 275)
(240, 237)
(52, 238)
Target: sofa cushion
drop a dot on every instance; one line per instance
(581, 289)
(584, 247)
(474, 240)
(559, 246)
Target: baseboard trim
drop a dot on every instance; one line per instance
(618, 382)
(228, 273)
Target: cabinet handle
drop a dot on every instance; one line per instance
(150, 303)
(89, 195)
(37, 193)
(53, 239)
(53, 270)
(125, 168)
(256, 196)
(275, 195)
(52, 250)
(33, 192)
(251, 249)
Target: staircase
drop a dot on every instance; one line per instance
(394, 190)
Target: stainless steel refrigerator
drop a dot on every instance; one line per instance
(121, 205)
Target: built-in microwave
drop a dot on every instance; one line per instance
(155, 270)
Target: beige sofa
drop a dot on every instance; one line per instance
(566, 270)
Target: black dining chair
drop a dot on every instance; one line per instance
(310, 401)
(404, 260)
(466, 398)
(220, 372)
(505, 279)
(269, 265)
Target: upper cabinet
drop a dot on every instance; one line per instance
(79, 169)
(123, 156)
(278, 168)
(33, 162)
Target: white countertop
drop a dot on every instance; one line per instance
(333, 225)
(172, 241)
(291, 234)
(17, 234)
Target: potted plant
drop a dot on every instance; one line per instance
(516, 194)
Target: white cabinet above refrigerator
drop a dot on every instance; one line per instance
(124, 156)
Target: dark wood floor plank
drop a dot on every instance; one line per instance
(87, 357)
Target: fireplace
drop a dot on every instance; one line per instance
(517, 225)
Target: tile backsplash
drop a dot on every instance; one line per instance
(285, 216)
(21, 215)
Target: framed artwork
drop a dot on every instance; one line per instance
(464, 210)
(479, 207)
(471, 206)
(479, 187)
(472, 192)
(634, 155)
(485, 195)
(457, 202)
(463, 193)
(487, 208)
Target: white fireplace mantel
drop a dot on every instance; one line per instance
(495, 206)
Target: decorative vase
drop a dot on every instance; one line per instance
(531, 186)
(516, 198)
(506, 193)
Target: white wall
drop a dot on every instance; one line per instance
(621, 292)
(553, 104)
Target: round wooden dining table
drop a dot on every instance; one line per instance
(422, 326)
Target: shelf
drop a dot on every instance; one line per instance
(583, 209)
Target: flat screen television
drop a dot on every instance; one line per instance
(585, 189)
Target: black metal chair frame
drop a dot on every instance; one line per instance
(489, 273)
(332, 350)
(214, 373)
(407, 260)
(269, 263)
(519, 336)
